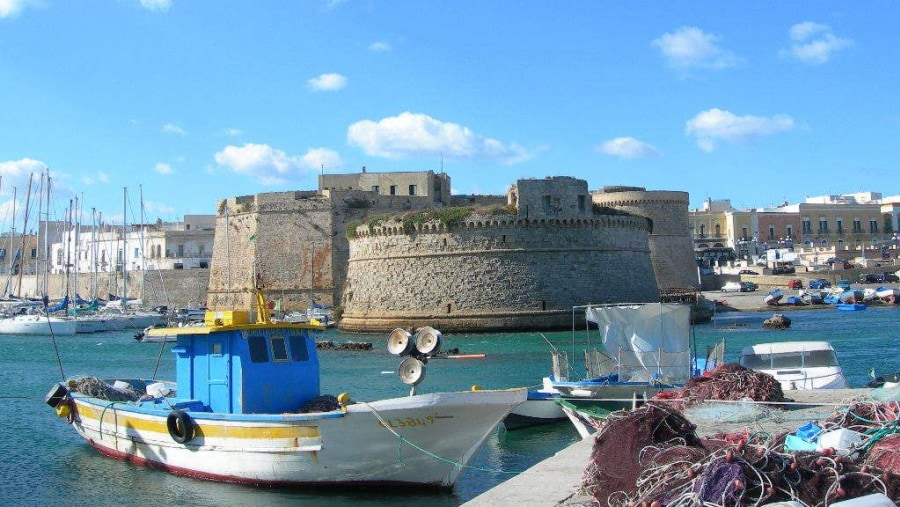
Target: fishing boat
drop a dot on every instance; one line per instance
(647, 350)
(888, 295)
(246, 407)
(797, 365)
(850, 307)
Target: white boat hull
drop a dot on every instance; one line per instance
(37, 325)
(534, 412)
(420, 440)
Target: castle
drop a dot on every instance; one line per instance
(396, 250)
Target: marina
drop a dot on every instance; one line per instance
(66, 465)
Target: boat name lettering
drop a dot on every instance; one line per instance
(409, 422)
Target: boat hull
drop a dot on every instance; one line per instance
(420, 440)
(37, 325)
(540, 408)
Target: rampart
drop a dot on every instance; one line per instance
(497, 273)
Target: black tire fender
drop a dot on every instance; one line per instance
(180, 425)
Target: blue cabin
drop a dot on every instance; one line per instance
(247, 368)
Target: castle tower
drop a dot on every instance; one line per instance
(671, 250)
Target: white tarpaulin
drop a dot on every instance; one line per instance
(647, 341)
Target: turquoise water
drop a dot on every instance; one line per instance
(45, 463)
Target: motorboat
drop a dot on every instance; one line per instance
(246, 407)
(539, 408)
(796, 365)
(850, 307)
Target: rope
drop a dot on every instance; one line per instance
(100, 430)
(402, 440)
(62, 375)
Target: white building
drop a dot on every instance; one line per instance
(159, 246)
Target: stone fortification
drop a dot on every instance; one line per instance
(671, 250)
(503, 272)
(299, 244)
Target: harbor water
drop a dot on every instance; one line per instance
(45, 463)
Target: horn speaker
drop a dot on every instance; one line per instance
(411, 371)
(400, 342)
(428, 341)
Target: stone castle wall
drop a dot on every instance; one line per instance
(671, 249)
(495, 274)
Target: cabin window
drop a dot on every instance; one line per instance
(279, 350)
(298, 349)
(412, 190)
(259, 353)
(216, 349)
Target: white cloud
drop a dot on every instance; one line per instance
(158, 208)
(813, 43)
(15, 173)
(380, 46)
(715, 125)
(162, 168)
(87, 180)
(322, 157)
(412, 134)
(156, 5)
(689, 47)
(171, 128)
(10, 8)
(327, 83)
(272, 166)
(231, 132)
(628, 148)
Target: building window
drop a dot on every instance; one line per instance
(137, 253)
(873, 226)
(581, 201)
(2, 253)
(744, 236)
(375, 188)
(718, 230)
(393, 189)
(703, 231)
(790, 232)
(840, 226)
(412, 190)
(857, 225)
(807, 226)
(823, 226)
(771, 232)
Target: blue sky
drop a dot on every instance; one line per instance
(185, 102)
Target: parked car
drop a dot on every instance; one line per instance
(820, 283)
(843, 283)
(732, 287)
(795, 283)
(840, 262)
(747, 272)
(748, 286)
(868, 278)
(889, 278)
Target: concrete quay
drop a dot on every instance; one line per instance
(556, 481)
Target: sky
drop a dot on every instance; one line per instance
(159, 108)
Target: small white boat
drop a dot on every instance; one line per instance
(773, 297)
(540, 407)
(888, 294)
(247, 408)
(796, 365)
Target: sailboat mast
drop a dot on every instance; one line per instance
(124, 248)
(12, 233)
(24, 229)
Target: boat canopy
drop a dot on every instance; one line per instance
(649, 341)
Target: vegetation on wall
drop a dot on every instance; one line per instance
(448, 217)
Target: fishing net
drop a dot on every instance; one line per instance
(650, 457)
(97, 388)
(323, 403)
(731, 381)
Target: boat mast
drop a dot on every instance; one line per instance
(124, 248)
(21, 253)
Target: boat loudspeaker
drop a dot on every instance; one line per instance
(428, 341)
(400, 342)
(411, 371)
